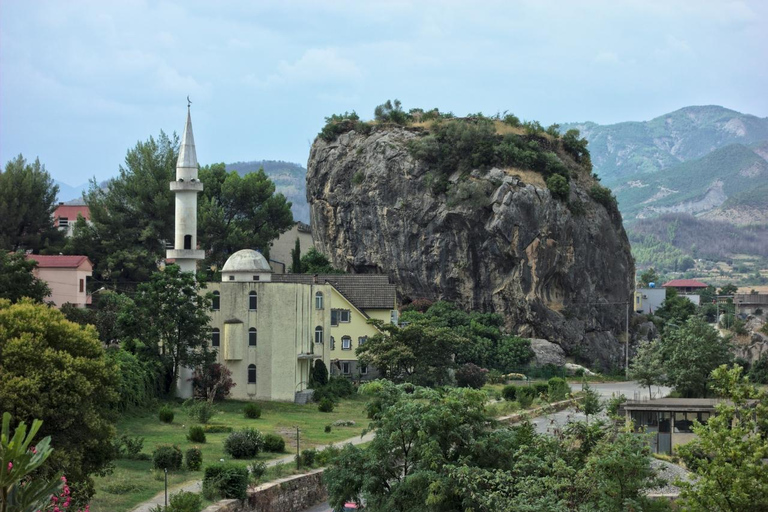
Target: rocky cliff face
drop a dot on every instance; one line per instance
(495, 241)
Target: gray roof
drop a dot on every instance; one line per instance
(187, 154)
(364, 291)
(676, 404)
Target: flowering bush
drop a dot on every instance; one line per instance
(470, 375)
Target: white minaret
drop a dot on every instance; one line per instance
(186, 187)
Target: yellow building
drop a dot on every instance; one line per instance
(268, 329)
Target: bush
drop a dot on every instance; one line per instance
(244, 444)
(341, 123)
(326, 405)
(257, 470)
(525, 397)
(559, 187)
(319, 376)
(613, 404)
(274, 443)
(128, 447)
(495, 377)
(603, 196)
(308, 457)
(358, 178)
(196, 434)
(217, 429)
(215, 379)
(558, 389)
(252, 411)
(165, 414)
(225, 480)
(167, 456)
(326, 455)
(471, 376)
(327, 429)
(341, 387)
(541, 388)
(185, 502)
(509, 392)
(194, 458)
(199, 410)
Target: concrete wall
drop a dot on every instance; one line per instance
(652, 299)
(282, 247)
(65, 285)
(286, 495)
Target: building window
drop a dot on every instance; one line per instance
(345, 368)
(361, 340)
(216, 337)
(216, 301)
(346, 343)
(333, 343)
(334, 317)
(344, 316)
(187, 242)
(252, 337)
(255, 278)
(363, 369)
(319, 300)
(231, 278)
(63, 222)
(318, 334)
(82, 285)
(252, 301)
(251, 374)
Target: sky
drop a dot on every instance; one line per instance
(81, 82)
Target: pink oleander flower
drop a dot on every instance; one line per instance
(10, 466)
(54, 499)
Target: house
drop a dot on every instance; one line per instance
(280, 251)
(750, 303)
(649, 300)
(66, 276)
(685, 286)
(269, 329)
(65, 215)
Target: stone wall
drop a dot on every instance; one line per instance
(284, 495)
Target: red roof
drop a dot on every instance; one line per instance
(59, 261)
(71, 212)
(684, 283)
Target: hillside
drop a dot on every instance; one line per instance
(289, 179)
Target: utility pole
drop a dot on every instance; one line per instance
(298, 453)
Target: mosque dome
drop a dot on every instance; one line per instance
(246, 260)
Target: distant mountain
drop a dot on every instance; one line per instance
(68, 192)
(289, 179)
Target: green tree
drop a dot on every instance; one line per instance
(647, 367)
(675, 308)
(591, 404)
(239, 212)
(727, 456)
(296, 258)
(391, 112)
(728, 289)
(559, 187)
(55, 370)
(17, 279)
(173, 313)
(27, 203)
(690, 353)
(315, 262)
(649, 276)
(319, 375)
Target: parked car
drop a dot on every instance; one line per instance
(350, 506)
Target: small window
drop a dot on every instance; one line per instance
(363, 369)
(334, 317)
(251, 374)
(216, 301)
(252, 337)
(187, 242)
(344, 316)
(82, 285)
(333, 343)
(215, 337)
(319, 300)
(231, 278)
(345, 368)
(63, 222)
(252, 303)
(346, 343)
(318, 334)
(361, 340)
(255, 278)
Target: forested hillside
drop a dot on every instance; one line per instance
(289, 179)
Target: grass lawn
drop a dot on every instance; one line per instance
(134, 481)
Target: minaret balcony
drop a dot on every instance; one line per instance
(185, 186)
(185, 254)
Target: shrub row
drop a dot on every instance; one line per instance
(169, 457)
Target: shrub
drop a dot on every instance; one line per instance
(244, 444)
(217, 429)
(165, 414)
(196, 434)
(326, 455)
(327, 429)
(577, 207)
(341, 387)
(603, 196)
(358, 178)
(252, 411)
(613, 404)
(225, 480)
(274, 443)
(559, 187)
(344, 423)
(420, 305)
(470, 375)
(509, 392)
(167, 456)
(215, 379)
(194, 458)
(541, 388)
(199, 410)
(128, 447)
(391, 112)
(525, 397)
(340, 123)
(257, 470)
(495, 377)
(319, 376)
(185, 502)
(308, 457)
(326, 405)
(558, 389)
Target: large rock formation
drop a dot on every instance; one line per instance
(496, 241)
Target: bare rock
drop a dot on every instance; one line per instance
(546, 352)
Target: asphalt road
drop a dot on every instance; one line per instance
(547, 423)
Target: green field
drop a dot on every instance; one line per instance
(134, 481)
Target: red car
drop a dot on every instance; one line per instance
(351, 506)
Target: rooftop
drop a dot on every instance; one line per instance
(684, 283)
(246, 260)
(58, 261)
(364, 291)
(675, 404)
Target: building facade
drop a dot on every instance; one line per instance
(280, 251)
(65, 215)
(66, 276)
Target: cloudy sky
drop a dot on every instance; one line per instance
(83, 81)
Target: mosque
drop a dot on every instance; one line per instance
(270, 328)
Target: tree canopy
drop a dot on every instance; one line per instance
(27, 202)
(17, 279)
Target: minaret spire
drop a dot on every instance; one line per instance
(186, 187)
